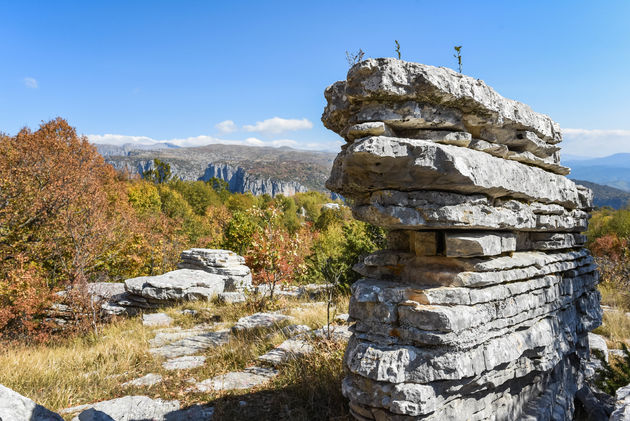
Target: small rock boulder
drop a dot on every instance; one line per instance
(221, 262)
(259, 321)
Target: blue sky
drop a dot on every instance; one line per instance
(182, 70)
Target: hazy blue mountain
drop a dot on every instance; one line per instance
(613, 170)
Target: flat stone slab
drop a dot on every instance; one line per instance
(165, 336)
(150, 379)
(292, 330)
(259, 321)
(231, 297)
(184, 363)
(156, 319)
(128, 408)
(382, 163)
(15, 407)
(286, 351)
(193, 344)
(237, 380)
(479, 244)
(177, 285)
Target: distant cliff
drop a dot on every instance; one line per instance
(257, 170)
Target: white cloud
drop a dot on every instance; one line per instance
(31, 82)
(118, 139)
(278, 125)
(226, 126)
(254, 142)
(284, 142)
(595, 143)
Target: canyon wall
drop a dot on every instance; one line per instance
(481, 304)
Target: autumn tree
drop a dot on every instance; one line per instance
(276, 256)
(61, 213)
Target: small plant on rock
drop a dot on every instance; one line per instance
(458, 56)
(397, 48)
(354, 58)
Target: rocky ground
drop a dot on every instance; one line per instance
(197, 361)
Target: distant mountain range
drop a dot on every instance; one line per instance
(258, 170)
(613, 170)
(606, 195)
(287, 171)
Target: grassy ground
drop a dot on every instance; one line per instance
(91, 368)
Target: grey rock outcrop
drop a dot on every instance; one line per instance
(203, 274)
(177, 285)
(480, 306)
(15, 407)
(226, 263)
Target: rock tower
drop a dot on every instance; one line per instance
(480, 306)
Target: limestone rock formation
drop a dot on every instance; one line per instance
(481, 305)
(177, 285)
(226, 263)
(202, 274)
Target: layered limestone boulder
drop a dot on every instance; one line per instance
(225, 263)
(480, 306)
(203, 274)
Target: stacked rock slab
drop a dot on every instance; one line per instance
(480, 306)
(229, 265)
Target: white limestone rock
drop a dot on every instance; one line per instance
(598, 343)
(480, 307)
(177, 285)
(226, 263)
(381, 163)
(287, 350)
(395, 209)
(622, 405)
(260, 321)
(478, 244)
(192, 344)
(15, 407)
(231, 297)
(184, 363)
(128, 408)
(156, 319)
(395, 81)
(149, 380)
(238, 380)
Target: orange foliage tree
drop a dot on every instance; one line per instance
(61, 212)
(275, 256)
